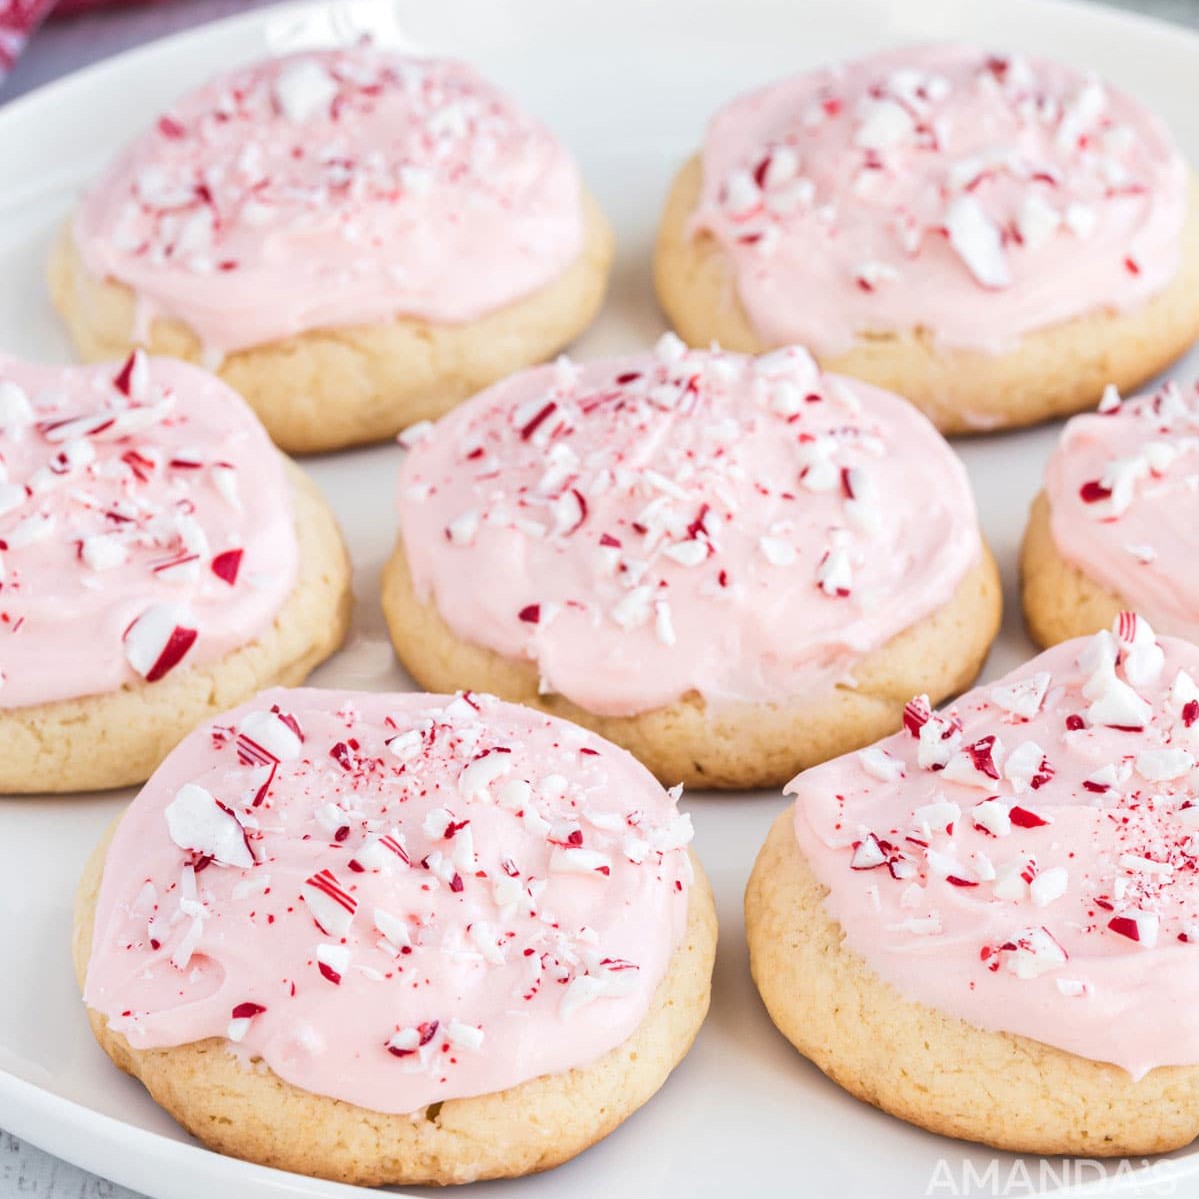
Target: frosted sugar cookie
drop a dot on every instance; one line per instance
(993, 237)
(733, 567)
(160, 559)
(356, 239)
(1115, 526)
(459, 938)
(987, 923)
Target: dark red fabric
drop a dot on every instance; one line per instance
(18, 19)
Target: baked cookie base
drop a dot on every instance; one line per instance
(1060, 601)
(331, 388)
(1050, 373)
(930, 1068)
(734, 746)
(117, 738)
(251, 1113)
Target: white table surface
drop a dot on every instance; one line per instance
(57, 49)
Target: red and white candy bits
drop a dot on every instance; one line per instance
(1028, 858)
(684, 521)
(145, 525)
(452, 895)
(333, 188)
(975, 197)
(1121, 485)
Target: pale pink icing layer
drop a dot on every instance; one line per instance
(685, 521)
(1027, 860)
(1122, 487)
(404, 898)
(334, 188)
(976, 197)
(145, 523)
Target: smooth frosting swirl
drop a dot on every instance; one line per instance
(333, 188)
(684, 521)
(392, 899)
(145, 523)
(971, 196)
(1122, 486)
(1028, 859)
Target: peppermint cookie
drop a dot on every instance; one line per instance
(1115, 525)
(732, 567)
(356, 239)
(160, 561)
(460, 938)
(988, 924)
(993, 237)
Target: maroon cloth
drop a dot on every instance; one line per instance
(19, 19)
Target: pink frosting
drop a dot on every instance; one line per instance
(1028, 860)
(145, 523)
(972, 196)
(685, 521)
(1122, 487)
(334, 188)
(392, 899)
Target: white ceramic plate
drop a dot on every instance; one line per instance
(629, 86)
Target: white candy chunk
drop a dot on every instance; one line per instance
(197, 823)
(12, 496)
(1081, 220)
(464, 1036)
(977, 241)
(664, 622)
(585, 988)
(992, 816)
(1012, 878)
(394, 930)
(879, 764)
(835, 573)
(964, 767)
(1119, 706)
(1136, 864)
(382, 853)
(1023, 697)
(15, 410)
(304, 89)
(575, 860)
(1023, 765)
(224, 479)
(868, 854)
(462, 529)
(1037, 221)
(331, 906)
(1033, 952)
(776, 551)
(884, 123)
(514, 795)
(30, 530)
(158, 639)
(335, 959)
(104, 551)
(483, 938)
(477, 776)
(1141, 927)
(670, 348)
(270, 734)
(633, 609)
(1049, 886)
(936, 817)
(1183, 690)
(1162, 765)
(687, 553)
(406, 745)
